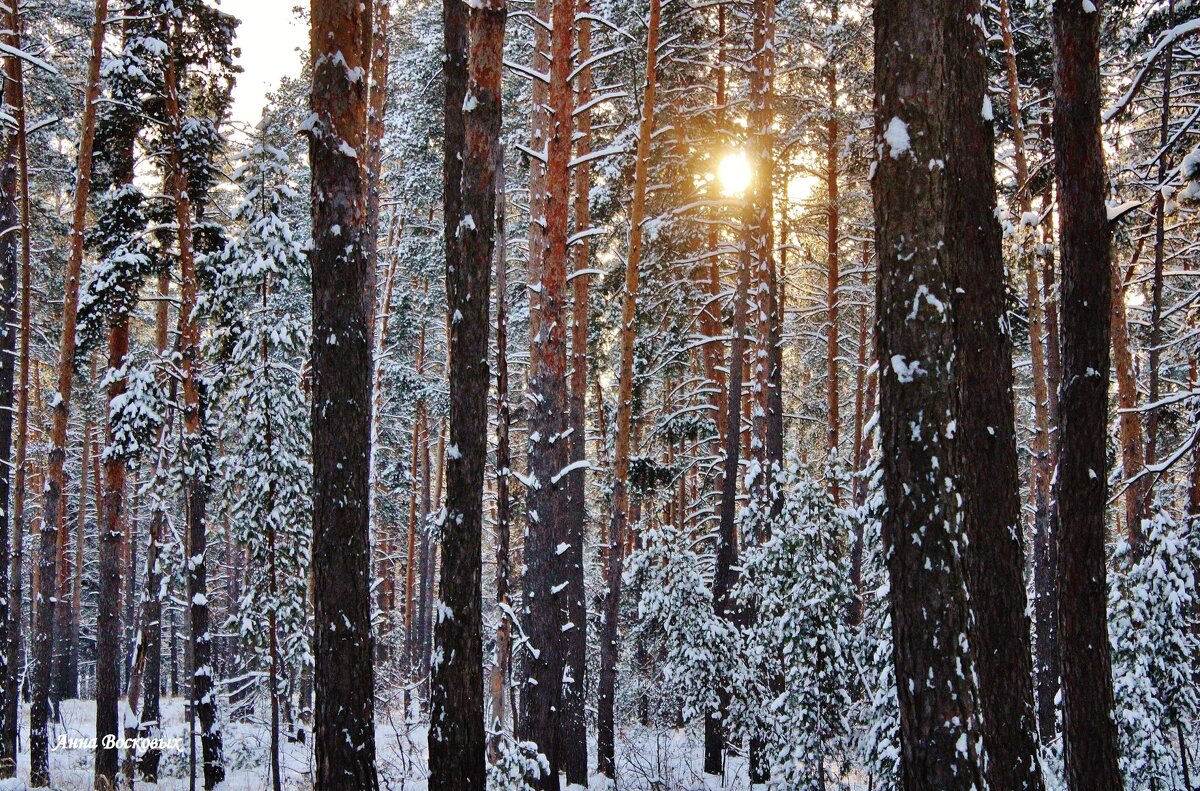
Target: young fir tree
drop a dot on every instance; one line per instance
(877, 712)
(257, 303)
(797, 674)
(1152, 619)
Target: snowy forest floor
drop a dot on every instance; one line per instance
(649, 759)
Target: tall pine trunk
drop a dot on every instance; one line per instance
(202, 690)
(548, 581)
(498, 684)
(9, 687)
(341, 411)
(145, 676)
(474, 157)
(617, 535)
(39, 747)
(832, 239)
(727, 407)
(929, 83)
(573, 733)
(108, 619)
(1089, 732)
(11, 232)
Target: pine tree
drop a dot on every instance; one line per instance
(921, 105)
(1089, 733)
(341, 403)
(53, 515)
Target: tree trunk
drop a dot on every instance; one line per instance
(572, 743)
(341, 412)
(832, 238)
(1156, 292)
(11, 221)
(986, 447)
(376, 56)
(1041, 472)
(609, 632)
(9, 686)
(1089, 732)
(385, 551)
(727, 405)
(766, 444)
(503, 660)
(929, 82)
(203, 690)
(474, 157)
(1129, 420)
(419, 442)
(145, 680)
(550, 582)
(39, 747)
(108, 618)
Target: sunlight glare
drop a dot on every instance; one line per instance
(800, 187)
(734, 173)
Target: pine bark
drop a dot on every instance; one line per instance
(110, 518)
(39, 748)
(503, 660)
(341, 411)
(11, 231)
(548, 578)
(929, 82)
(1129, 421)
(474, 157)
(573, 733)
(617, 536)
(1089, 732)
(985, 433)
(727, 405)
(9, 682)
(108, 618)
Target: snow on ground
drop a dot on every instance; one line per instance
(649, 759)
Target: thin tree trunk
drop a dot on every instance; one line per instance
(341, 367)
(414, 526)
(503, 660)
(429, 555)
(378, 60)
(11, 226)
(1154, 363)
(202, 691)
(832, 238)
(39, 747)
(62, 612)
(609, 631)
(1129, 420)
(145, 680)
(727, 404)
(9, 684)
(1041, 473)
(1089, 732)
(861, 414)
(386, 561)
(572, 744)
